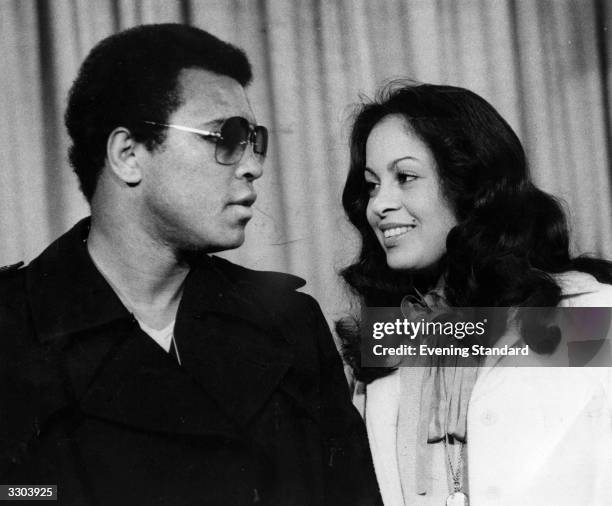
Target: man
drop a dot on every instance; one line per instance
(136, 369)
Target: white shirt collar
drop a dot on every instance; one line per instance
(163, 337)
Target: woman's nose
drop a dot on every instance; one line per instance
(385, 200)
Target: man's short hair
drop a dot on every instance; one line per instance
(133, 76)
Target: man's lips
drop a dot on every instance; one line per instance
(246, 201)
(243, 207)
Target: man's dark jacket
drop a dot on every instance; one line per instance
(258, 413)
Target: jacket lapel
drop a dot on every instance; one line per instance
(230, 344)
(140, 385)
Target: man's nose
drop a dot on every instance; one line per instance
(250, 167)
(386, 199)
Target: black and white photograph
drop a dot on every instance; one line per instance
(306, 252)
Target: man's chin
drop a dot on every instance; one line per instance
(192, 253)
(225, 247)
(222, 244)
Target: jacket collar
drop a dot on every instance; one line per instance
(574, 283)
(232, 338)
(67, 293)
(231, 342)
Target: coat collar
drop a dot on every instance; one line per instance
(235, 347)
(67, 293)
(573, 283)
(231, 343)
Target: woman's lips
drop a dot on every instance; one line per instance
(395, 231)
(392, 235)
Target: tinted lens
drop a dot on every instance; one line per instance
(260, 144)
(233, 141)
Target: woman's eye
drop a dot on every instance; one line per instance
(371, 187)
(403, 178)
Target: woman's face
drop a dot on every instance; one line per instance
(407, 210)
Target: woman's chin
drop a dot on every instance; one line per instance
(423, 273)
(397, 262)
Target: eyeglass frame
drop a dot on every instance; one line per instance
(207, 134)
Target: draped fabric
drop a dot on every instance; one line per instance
(545, 65)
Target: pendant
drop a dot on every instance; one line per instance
(457, 499)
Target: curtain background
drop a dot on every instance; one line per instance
(544, 64)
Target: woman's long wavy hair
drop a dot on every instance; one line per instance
(510, 236)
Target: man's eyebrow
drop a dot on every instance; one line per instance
(217, 122)
(213, 123)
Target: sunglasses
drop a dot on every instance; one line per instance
(231, 139)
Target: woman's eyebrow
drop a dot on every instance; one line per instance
(393, 164)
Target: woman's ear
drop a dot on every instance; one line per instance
(121, 156)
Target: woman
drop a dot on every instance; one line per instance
(439, 191)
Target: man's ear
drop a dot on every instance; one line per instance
(121, 152)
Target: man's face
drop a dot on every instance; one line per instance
(189, 201)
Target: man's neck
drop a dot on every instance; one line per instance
(146, 276)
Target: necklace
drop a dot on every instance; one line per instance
(457, 497)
